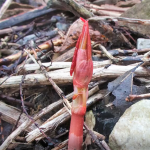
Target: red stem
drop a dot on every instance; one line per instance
(77, 119)
(76, 132)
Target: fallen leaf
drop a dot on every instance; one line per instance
(90, 122)
(74, 32)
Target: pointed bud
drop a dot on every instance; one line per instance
(82, 64)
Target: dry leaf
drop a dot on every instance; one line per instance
(90, 119)
(90, 122)
(74, 32)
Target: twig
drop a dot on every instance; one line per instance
(24, 17)
(4, 7)
(106, 7)
(58, 65)
(61, 145)
(14, 100)
(115, 52)
(108, 54)
(132, 20)
(105, 145)
(23, 27)
(12, 58)
(30, 56)
(105, 13)
(94, 137)
(145, 58)
(135, 97)
(5, 43)
(121, 19)
(16, 124)
(128, 3)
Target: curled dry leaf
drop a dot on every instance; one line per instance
(74, 32)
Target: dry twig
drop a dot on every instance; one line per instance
(4, 7)
(131, 98)
(110, 72)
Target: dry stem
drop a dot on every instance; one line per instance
(135, 97)
(112, 71)
(4, 7)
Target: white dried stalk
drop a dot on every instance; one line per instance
(105, 12)
(64, 78)
(4, 7)
(33, 59)
(36, 79)
(60, 65)
(125, 20)
(51, 125)
(116, 70)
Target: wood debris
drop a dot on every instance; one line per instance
(37, 43)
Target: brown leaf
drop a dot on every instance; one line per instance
(72, 35)
(74, 32)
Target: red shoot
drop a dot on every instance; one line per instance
(82, 66)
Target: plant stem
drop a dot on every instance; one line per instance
(76, 132)
(77, 119)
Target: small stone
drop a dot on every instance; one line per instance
(143, 43)
(139, 11)
(132, 131)
(62, 26)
